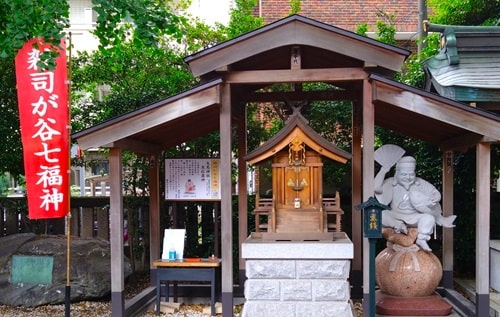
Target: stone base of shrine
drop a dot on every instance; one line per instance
(433, 305)
(297, 278)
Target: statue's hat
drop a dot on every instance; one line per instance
(406, 161)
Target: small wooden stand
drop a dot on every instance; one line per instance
(180, 270)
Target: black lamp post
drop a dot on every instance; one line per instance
(372, 229)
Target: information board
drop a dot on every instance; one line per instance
(32, 269)
(192, 179)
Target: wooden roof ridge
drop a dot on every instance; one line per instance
(223, 54)
(486, 29)
(457, 40)
(295, 126)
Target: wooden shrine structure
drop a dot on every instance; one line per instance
(297, 208)
(293, 50)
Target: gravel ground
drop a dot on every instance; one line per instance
(103, 309)
(134, 285)
(95, 309)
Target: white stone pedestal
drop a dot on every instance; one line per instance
(297, 278)
(495, 265)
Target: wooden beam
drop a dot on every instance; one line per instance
(463, 142)
(295, 75)
(438, 110)
(325, 95)
(137, 146)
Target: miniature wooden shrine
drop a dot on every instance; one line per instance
(297, 210)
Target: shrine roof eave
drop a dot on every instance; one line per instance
(467, 67)
(475, 70)
(297, 126)
(432, 118)
(160, 125)
(297, 30)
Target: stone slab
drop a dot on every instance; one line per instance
(32, 269)
(340, 248)
(296, 309)
(433, 305)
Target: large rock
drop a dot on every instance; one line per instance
(90, 276)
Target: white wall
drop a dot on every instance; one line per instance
(211, 11)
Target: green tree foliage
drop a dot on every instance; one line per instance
(242, 19)
(22, 20)
(11, 159)
(199, 36)
(295, 6)
(465, 12)
(134, 78)
(146, 24)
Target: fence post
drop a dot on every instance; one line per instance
(11, 222)
(87, 223)
(103, 223)
(74, 222)
(2, 221)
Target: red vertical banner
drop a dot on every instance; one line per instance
(44, 115)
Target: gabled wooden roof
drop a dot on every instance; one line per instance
(333, 47)
(467, 67)
(297, 127)
(196, 112)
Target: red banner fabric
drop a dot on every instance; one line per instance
(44, 115)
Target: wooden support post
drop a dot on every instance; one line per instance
(154, 211)
(447, 203)
(242, 190)
(368, 177)
(483, 178)
(116, 236)
(356, 199)
(226, 208)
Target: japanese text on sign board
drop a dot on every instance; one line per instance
(44, 116)
(192, 179)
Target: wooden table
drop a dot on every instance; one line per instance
(182, 270)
